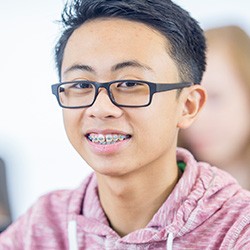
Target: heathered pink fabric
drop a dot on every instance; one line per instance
(206, 210)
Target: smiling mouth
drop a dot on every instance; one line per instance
(107, 139)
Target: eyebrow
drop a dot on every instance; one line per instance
(127, 64)
(116, 67)
(80, 67)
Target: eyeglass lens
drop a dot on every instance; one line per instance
(122, 93)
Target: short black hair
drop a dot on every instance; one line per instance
(186, 38)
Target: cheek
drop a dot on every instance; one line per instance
(157, 122)
(72, 123)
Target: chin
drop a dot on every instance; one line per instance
(108, 169)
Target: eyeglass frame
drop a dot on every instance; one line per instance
(153, 88)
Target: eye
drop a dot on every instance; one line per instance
(129, 84)
(82, 85)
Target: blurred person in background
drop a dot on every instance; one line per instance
(5, 217)
(221, 134)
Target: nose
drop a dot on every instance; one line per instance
(103, 108)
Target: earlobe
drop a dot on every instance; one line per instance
(193, 100)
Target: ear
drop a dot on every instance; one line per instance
(193, 100)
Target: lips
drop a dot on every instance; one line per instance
(107, 142)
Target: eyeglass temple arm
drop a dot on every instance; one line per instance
(171, 86)
(54, 89)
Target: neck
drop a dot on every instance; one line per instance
(124, 198)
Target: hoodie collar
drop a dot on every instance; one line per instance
(186, 208)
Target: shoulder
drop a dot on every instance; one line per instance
(54, 207)
(46, 219)
(238, 209)
(219, 193)
(61, 202)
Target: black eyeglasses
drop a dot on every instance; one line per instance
(122, 93)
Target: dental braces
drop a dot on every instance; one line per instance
(107, 139)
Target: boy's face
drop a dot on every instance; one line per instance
(114, 49)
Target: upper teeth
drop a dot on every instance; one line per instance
(106, 139)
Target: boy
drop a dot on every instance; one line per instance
(129, 75)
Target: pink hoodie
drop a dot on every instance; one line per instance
(206, 210)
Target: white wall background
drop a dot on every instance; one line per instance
(33, 144)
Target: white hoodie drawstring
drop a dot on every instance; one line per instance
(170, 241)
(72, 235)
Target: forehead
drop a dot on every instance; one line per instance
(105, 42)
(119, 30)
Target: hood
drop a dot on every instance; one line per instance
(190, 204)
